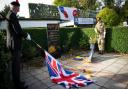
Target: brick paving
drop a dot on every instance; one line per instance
(110, 72)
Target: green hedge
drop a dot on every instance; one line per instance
(5, 81)
(39, 35)
(73, 38)
(70, 38)
(77, 38)
(117, 39)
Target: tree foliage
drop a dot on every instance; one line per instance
(82, 4)
(109, 16)
(109, 3)
(87, 4)
(125, 9)
(66, 3)
(5, 10)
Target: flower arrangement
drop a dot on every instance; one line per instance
(92, 40)
(52, 49)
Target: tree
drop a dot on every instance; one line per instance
(87, 4)
(5, 10)
(58, 2)
(121, 8)
(116, 5)
(119, 3)
(109, 16)
(125, 9)
(82, 4)
(67, 3)
(109, 3)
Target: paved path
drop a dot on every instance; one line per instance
(110, 71)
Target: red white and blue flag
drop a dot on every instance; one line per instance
(67, 13)
(64, 77)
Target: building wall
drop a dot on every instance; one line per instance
(30, 23)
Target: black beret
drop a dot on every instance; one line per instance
(15, 3)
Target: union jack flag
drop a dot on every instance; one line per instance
(64, 77)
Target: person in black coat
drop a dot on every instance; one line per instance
(14, 42)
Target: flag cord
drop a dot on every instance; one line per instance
(100, 85)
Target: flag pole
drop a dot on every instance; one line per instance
(36, 44)
(42, 50)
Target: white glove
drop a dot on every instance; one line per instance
(104, 36)
(28, 37)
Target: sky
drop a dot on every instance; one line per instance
(24, 10)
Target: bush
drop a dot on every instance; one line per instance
(76, 38)
(88, 32)
(109, 17)
(117, 40)
(30, 50)
(71, 38)
(5, 81)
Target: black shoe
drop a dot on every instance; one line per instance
(102, 52)
(99, 52)
(23, 87)
(22, 83)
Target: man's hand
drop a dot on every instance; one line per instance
(28, 37)
(104, 36)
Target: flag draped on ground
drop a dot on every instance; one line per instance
(64, 77)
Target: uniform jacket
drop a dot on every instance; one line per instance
(100, 29)
(14, 32)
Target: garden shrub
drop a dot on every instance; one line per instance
(76, 38)
(109, 17)
(71, 38)
(119, 39)
(38, 35)
(5, 80)
(108, 40)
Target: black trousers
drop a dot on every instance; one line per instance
(16, 60)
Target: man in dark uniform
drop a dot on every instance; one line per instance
(14, 41)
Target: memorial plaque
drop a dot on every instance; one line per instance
(53, 34)
(53, 40)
